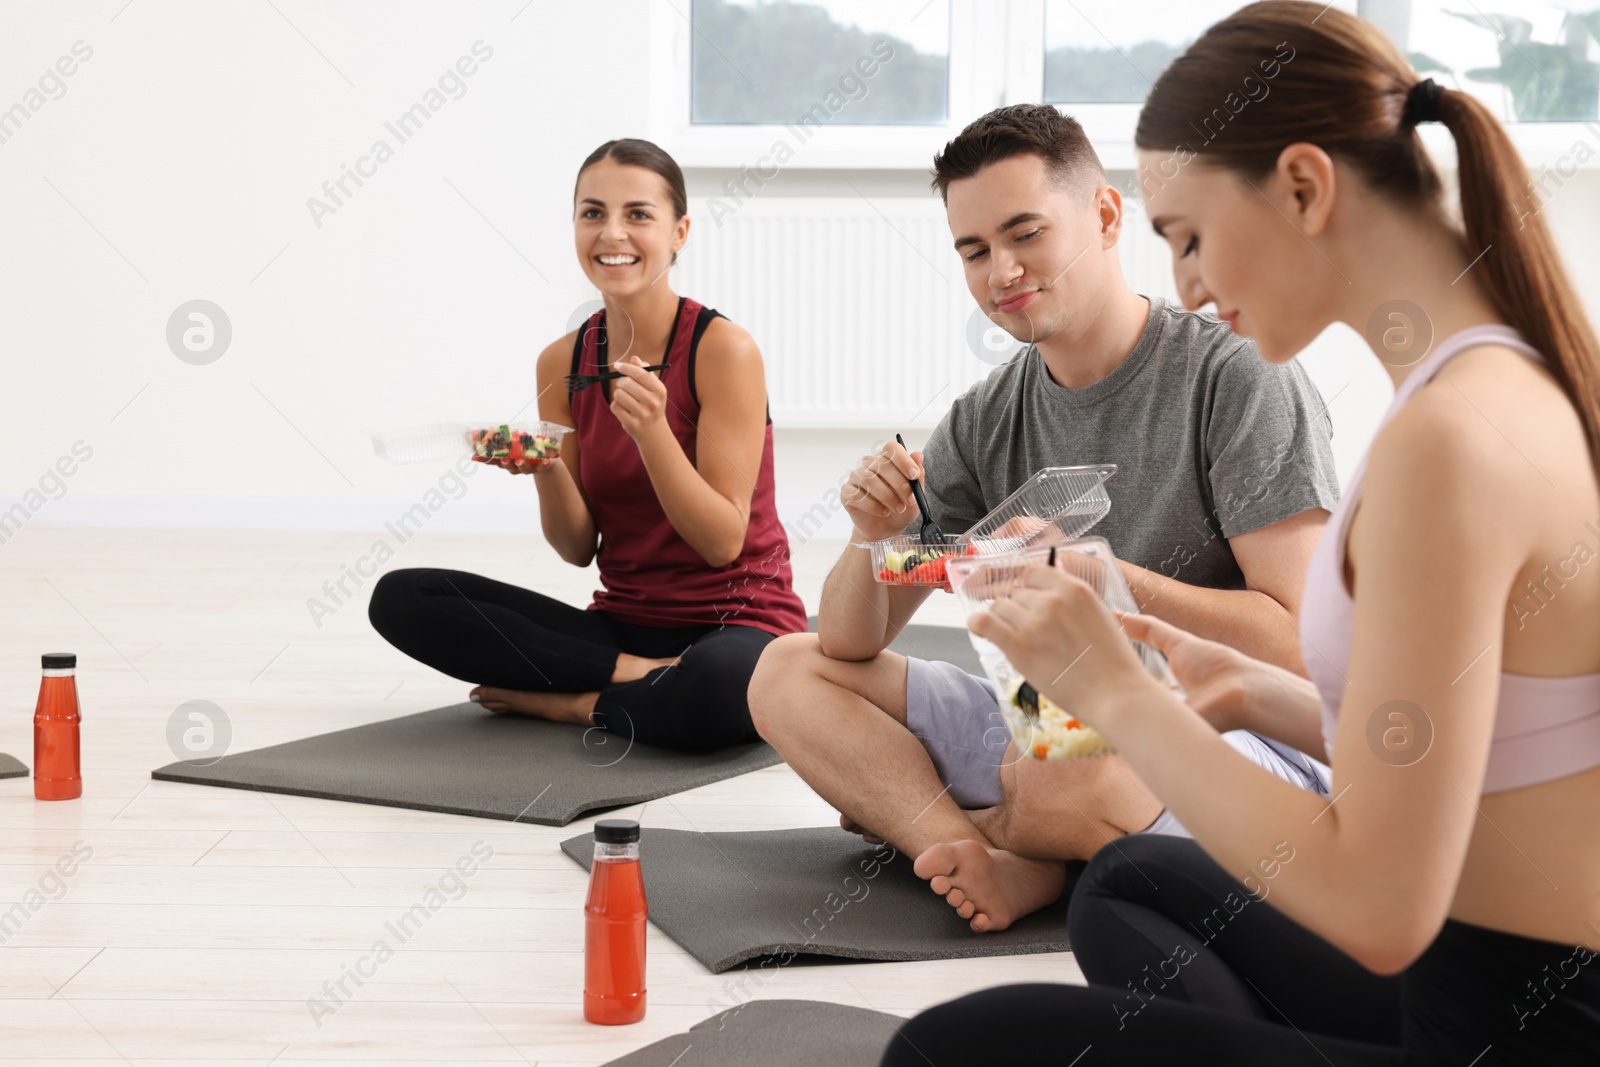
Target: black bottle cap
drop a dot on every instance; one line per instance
(616, 831)
(55, 661)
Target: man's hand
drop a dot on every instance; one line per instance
(1216, 679)
(877, 495)
(1232, 691)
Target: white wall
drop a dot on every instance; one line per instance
(178, 165)
(191, 141)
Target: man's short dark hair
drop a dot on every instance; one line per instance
(1019, 129)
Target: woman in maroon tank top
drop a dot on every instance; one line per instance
(666, 483)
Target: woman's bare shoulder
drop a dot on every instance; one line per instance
(728, 341)
(559, 351)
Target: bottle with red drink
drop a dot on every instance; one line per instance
(614, 918)
(55, 731)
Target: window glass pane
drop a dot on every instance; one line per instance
(1112, 53)
(825, 62)
(1529, 60)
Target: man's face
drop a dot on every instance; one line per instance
(1028, 245)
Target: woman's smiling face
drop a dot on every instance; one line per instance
(624, 228)
(1234, 245)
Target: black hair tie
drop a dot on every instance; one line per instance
(1422, 103)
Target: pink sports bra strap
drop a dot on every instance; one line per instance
(1453, 346)
(1432, 363)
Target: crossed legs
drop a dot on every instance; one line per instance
(843, 727)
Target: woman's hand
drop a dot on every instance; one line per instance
(517, 466)
(638, 399)
(1069, 645)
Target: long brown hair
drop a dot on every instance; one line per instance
(1329, 78)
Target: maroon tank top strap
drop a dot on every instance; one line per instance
(580, 343)
(702, 320)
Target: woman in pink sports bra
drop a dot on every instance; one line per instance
(1443, 907)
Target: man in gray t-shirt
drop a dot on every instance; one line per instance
(1224, 482)
(1210, 442)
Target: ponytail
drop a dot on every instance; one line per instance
(1522, 271)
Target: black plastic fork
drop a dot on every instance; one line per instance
(577, 383)
(1027, 695)
(930, 534)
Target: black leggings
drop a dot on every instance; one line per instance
(1185, 965)
(490, 633)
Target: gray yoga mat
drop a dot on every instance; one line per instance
(775, 1033)
(463, 760)
(949, 643)
(731, 897)
(11, 767)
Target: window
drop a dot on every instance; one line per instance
(1115, 58)
(828, 84)
(857, 84)
(848, 62)
(1529, 60)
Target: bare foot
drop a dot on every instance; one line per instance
(557, 707)
(856, 828)
(564, 707)
(989, 886)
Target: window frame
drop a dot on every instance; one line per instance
(979, 71)
(993, 61)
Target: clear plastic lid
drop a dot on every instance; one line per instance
(1056, 504)
(441, 440)
(448, 440)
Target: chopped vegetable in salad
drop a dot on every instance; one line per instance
(924, 565)
(1055, 735)
(503, 442)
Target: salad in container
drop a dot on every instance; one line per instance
(1055, 505)
(1041, 728)
(905, 560)
(539, 440)
(449, 440)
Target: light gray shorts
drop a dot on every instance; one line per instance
(957, 718)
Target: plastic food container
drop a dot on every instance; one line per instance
(905, 560)
(519, 440)
(1038, 726)
(1055, 505)
(449, 440)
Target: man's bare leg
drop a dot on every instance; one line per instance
(1060, 811)
(842, 727)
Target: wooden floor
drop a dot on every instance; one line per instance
(206, 920)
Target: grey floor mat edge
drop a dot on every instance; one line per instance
(795, 856)
(373, 764)
(782, 1032)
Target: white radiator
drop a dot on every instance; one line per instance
(860, 308)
